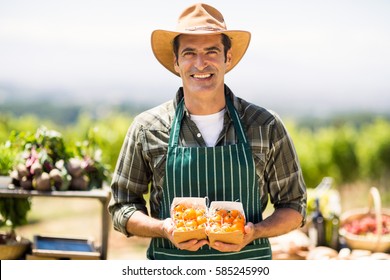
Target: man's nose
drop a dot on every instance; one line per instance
(201, 62)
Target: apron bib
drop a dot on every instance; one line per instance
(220, 173)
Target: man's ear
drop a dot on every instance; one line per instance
(228, 58)
(176, 64)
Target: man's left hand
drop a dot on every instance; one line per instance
(228, 247)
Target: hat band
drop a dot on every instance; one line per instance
(204, 28)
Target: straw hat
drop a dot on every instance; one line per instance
(198, 19)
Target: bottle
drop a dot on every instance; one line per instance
(317, 227)
(333, 222)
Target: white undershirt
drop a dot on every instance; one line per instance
(210, 126)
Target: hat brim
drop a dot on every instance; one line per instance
(162, 45)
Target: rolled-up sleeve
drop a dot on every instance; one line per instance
(285, 180)
(130, 180)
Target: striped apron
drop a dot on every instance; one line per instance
(220, 173)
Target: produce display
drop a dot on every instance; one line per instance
(45, 163)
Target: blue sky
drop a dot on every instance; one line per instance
(334, 52)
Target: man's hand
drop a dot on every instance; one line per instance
(190, 245)
(281, 221)
(227, 247)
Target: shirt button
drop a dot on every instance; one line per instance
(198, 135)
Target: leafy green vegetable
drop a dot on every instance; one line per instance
(14, 211)
(7, 159)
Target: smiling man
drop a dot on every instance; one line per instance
(175, 149)
(201, 63)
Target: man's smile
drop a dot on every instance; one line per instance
(201, 76)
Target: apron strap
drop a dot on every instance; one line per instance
(175, 129)
(236, 121)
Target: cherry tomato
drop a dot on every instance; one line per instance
(179, 208)
(189, 214)
(201, 219)
(228, 219)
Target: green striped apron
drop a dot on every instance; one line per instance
(220, 173)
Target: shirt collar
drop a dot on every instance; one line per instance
(228, 94)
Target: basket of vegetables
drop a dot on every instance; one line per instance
(369, 228)
(13, 247)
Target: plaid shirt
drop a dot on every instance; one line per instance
(141, 163)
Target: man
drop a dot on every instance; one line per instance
(206, 143)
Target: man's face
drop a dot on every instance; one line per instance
(201, 63)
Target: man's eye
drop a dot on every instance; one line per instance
(187, 54)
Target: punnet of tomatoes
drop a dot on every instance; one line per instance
(226, 222)
(189, 216)
(223, 220)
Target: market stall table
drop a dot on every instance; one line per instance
(103, 195)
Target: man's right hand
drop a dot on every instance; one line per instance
(190, 245)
